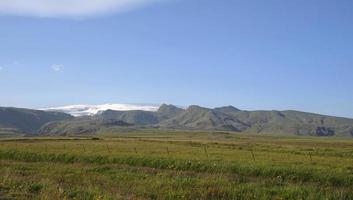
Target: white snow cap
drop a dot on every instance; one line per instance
(88, 110)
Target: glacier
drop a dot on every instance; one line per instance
(89, 110)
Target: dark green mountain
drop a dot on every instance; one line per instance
(110, 118)
(138, 117)
(168, 111)
(20, 120)
(171, 117)
(199, 118)
(81, 126)
(294, 123)
(227, 109)
(261, 122)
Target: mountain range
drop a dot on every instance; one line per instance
(27, 121)
(170, 117)
(89, 110)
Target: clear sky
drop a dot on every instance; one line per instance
(253, 54)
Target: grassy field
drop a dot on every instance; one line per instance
(176, 165)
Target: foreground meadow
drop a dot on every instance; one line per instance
(176, 166)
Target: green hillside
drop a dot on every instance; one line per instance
(119, 120)
(198, 118)
(15, 121)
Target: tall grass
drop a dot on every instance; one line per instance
(289, 173)
(182, 167)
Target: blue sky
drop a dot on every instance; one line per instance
(252, 54)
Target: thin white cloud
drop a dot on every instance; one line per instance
(68, 8)
(57, 67)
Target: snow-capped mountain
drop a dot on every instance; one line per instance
(88, 110)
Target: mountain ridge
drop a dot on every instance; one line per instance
(194, 117)
(227, 118)
(23, 120)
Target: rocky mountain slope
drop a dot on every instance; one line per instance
(20, 120)
(219, 119)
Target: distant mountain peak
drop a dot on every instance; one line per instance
(229, 108)
(168, 111)
(168, 107)
(197, 108)
(227, 118)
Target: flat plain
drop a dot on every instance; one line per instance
(176, 165)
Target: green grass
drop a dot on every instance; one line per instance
(176, 165)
